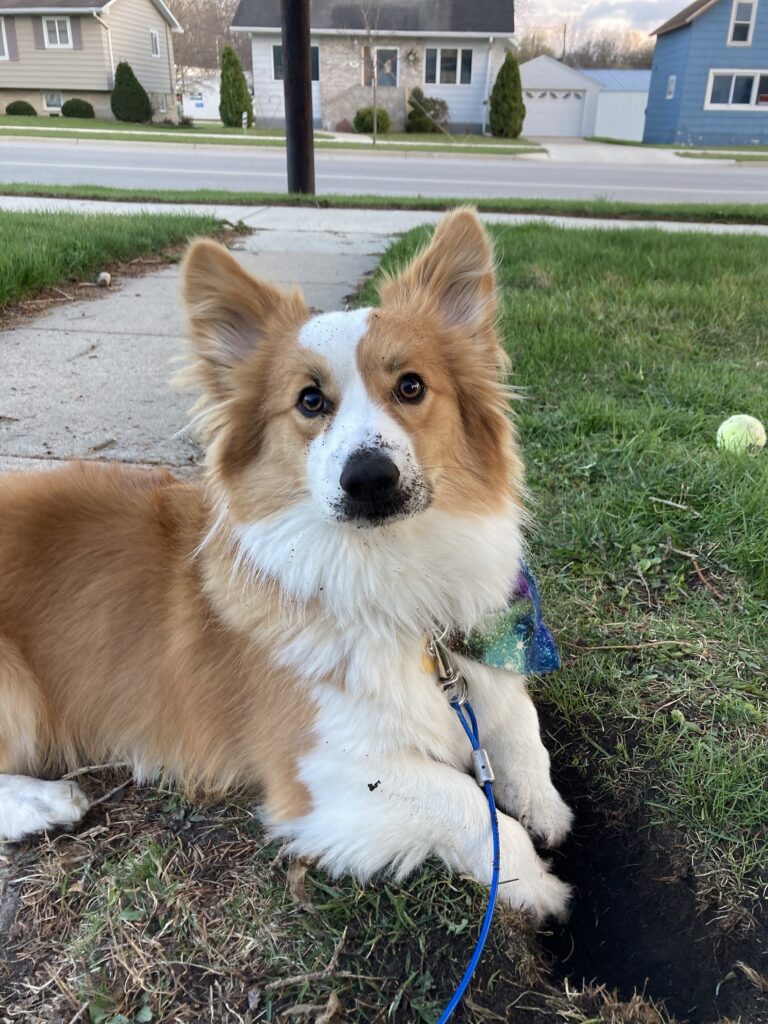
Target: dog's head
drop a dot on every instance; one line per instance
(369, 416)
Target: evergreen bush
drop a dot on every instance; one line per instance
(363, 122)
(77, 108)
(427, 113)
(129, 100)
(507, 108)
(235, 98)
(20, 108)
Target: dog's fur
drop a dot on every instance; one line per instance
(256, 629)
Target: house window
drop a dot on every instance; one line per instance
(52, 101)
(277, 63)
(737, 90)
(671, 83)
(447, 67)
(154, 42)
(387, 71)
(449, 60)
(742, 22)
(57, 33)
(465, 76)
(3, 41)
(162, 106)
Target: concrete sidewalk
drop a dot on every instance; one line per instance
(293, 222)
(90, 379)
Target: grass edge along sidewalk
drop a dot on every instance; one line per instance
(607, 209)
(43, 250)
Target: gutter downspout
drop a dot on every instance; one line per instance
(487, 92)
(106, 27)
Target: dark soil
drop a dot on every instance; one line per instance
(637, 926)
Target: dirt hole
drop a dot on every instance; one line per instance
(636, 925)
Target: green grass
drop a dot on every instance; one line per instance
(467, 139)
(65, 124)
(630, 348)
(38, 250)
(96, 129)
(738, 156)
(724, 213)
(677, 146)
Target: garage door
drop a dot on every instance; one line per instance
(554, 112)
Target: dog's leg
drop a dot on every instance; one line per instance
(27, 805)
(393, 813)
(510, 733)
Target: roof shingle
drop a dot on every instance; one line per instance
(484, 17)
(684, 17)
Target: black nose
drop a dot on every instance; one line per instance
(370, 478)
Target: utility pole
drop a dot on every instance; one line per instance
(297, 90)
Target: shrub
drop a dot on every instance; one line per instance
(235, 98)
(344, 125)
(129, 99)
(77, 108)
(427, 113)
(507, 108)
(363, 123)
(20, 108)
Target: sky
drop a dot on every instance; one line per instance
(596, 17)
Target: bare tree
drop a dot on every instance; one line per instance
(206, 31)
(371, 14)
(580, 49)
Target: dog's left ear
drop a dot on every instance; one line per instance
(454, 274)
(229, 313)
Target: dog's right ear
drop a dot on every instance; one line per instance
(229, 313)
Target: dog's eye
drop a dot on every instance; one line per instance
(312, 402)
(410, 388)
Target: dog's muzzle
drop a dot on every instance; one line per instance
(372, 487)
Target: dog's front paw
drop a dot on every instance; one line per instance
(28, 805)
(526, 882)
(539, 808)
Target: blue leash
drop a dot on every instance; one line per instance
(471, 729)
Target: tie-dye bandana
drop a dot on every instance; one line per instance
(516, 639)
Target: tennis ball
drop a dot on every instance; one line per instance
(741, 434)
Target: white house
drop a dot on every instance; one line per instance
(200, 91)
(569, 102)
(451, 50)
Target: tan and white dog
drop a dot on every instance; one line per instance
(265, 627)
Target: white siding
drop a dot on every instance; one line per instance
(465, 102)
(559, 101)
(621, 115)
(268, 102)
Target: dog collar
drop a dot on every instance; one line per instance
(516, 638)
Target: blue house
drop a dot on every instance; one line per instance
(709, 84)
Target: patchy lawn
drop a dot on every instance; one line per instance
(630, 347)
(40, 250)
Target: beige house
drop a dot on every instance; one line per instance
(53, 50)
(451, 49)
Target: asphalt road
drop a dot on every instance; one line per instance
(176, 166)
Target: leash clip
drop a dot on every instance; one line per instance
(452, 683)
